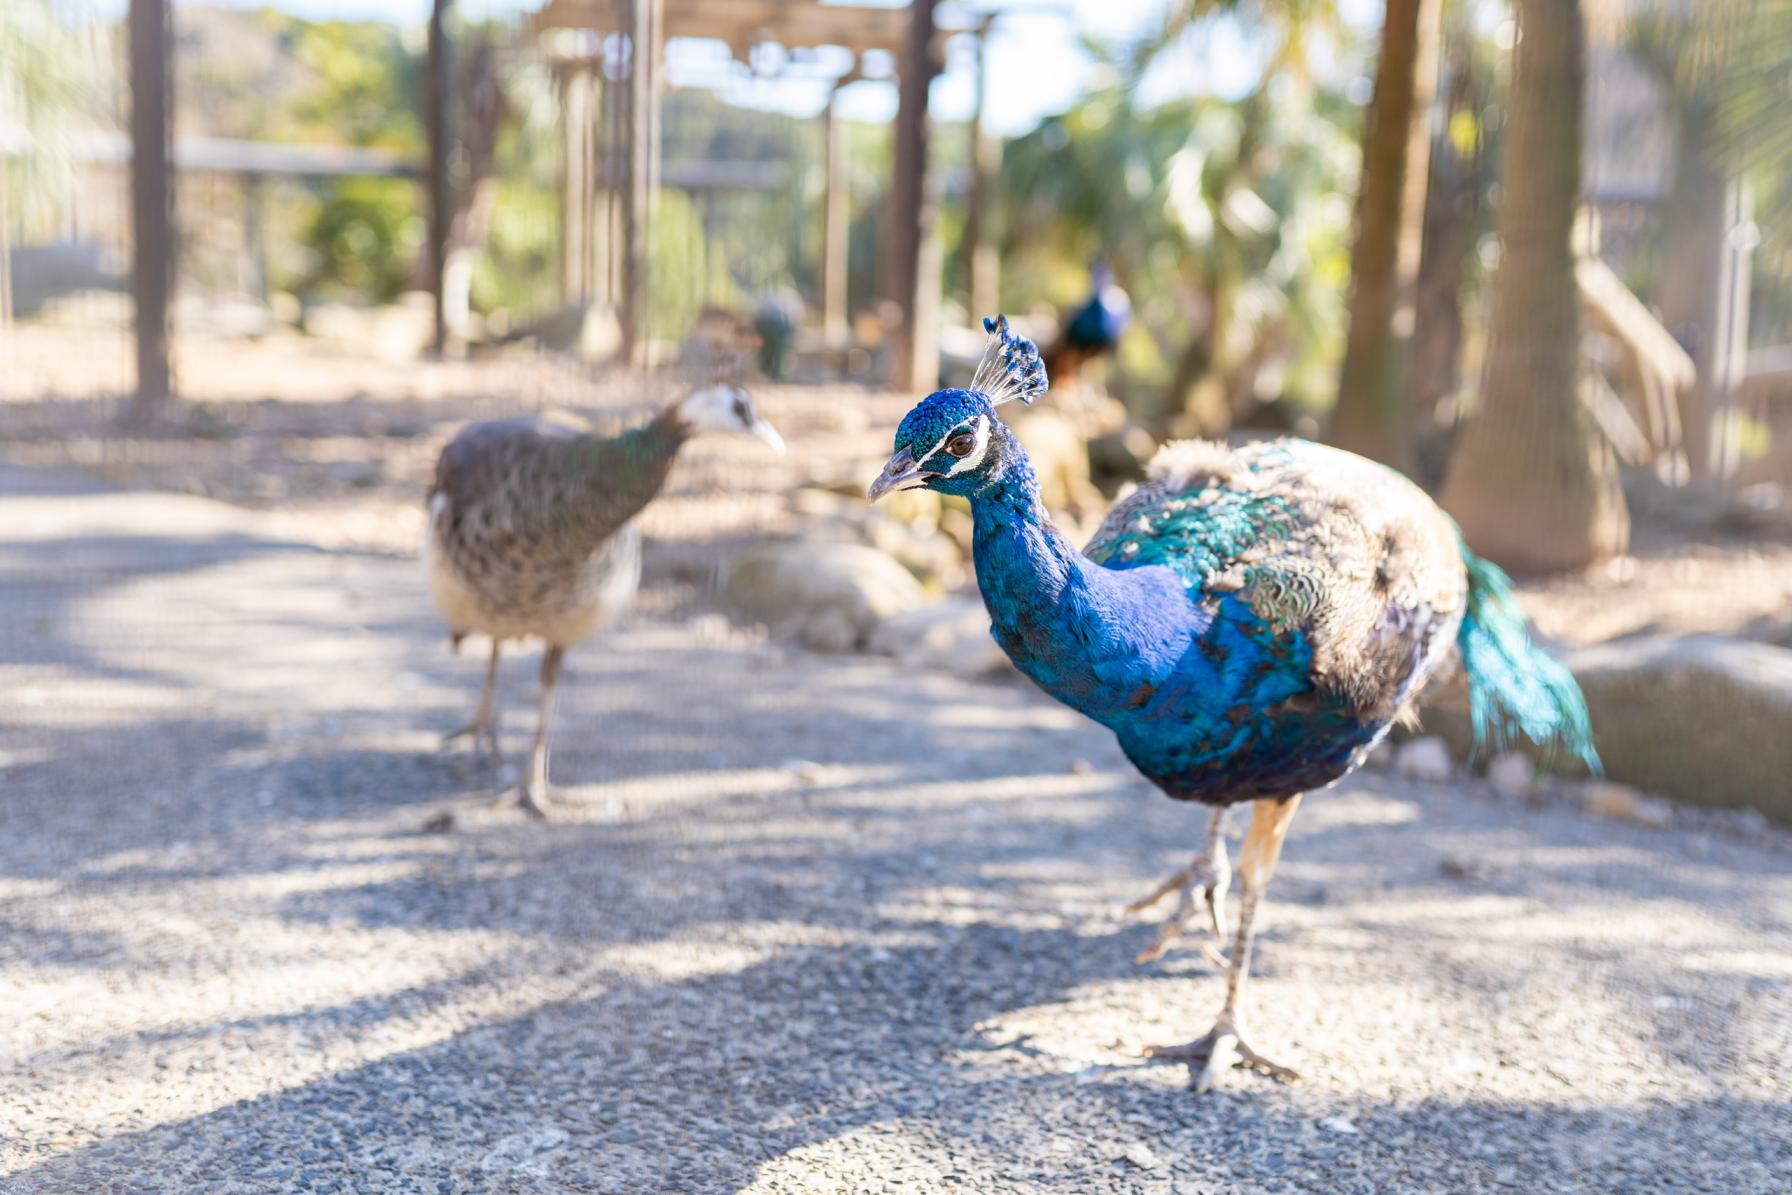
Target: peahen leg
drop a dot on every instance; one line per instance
(532, 793)
(483, 729)
(1224, 1046)
(1201, 886)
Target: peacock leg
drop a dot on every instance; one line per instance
(1201, 886)
(483, 729)
(1224, 1046)
(532, 793)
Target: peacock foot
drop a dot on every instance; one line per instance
(1218, 1050)
(484, 737)
(531, 798)
(1200, 888)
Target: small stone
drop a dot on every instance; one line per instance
(1510, 773)
(1081, 767)
(1607, 798)
(440, 822)
(1469, 871)
(1426, 758)
(1140, 1155)
(1339, 1124)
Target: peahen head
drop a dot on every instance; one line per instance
(952, 441)
(727, 409)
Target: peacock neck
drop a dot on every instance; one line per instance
(1056, 613)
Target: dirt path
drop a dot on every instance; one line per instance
(808, 924)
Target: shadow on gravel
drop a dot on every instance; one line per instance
(708, 1084)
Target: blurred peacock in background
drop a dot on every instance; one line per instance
(1093, 330)
(1249, 623)
(531, 535)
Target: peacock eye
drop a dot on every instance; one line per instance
(961, 444)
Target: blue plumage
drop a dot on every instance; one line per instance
(1248, 623)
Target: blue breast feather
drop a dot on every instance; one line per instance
(1208, 698)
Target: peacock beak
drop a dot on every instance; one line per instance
(768, 433)
(900, 474)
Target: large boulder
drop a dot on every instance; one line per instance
(825, 595)
(1703, 718)
(952, 634)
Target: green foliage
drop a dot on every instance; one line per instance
(47, 88)
(367, 85)
(365, 235)
(1223, 219)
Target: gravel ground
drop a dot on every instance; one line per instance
(805, 923)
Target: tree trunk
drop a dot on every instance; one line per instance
(152, 206)
(1372, 416)
(1533, 486)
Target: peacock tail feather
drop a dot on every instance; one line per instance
(1514, 687)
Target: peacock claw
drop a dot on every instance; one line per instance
(1200, 887)
(484, 736)
(532, 800)
(1218, 1050)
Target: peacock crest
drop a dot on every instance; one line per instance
(1010, 368)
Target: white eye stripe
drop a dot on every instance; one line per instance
(982, 430)
(975, 457)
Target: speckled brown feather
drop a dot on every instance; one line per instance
(530, 523)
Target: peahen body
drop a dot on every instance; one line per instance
(1249, 623)
(1093, 329)
(531, 535)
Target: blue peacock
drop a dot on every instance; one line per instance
(1249, 623)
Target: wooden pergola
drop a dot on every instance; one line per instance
(612, 120)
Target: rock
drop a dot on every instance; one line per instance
(828, 596)
(1702, 718)
(440, 822)
(1608, 798)
(953, 633)
(1339, 1124)
(934, 558)
(1511, 774)
(1469, 871)
(1140, 1155)
(1426, 758)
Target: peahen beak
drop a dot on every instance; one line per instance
(900, 474)
(768, 433)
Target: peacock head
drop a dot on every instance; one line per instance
(727, 409)
(951, 441)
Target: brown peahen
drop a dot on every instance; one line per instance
(531, 535)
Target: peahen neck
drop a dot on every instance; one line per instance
(617, 476)
(1062, 618)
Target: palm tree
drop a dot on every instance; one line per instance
(1372, 415)
(1533, 486)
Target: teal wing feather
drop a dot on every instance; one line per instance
(1514, 687)
(1346, 555)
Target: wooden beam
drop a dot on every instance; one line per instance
(793, 23)
(438, 90)
(912, 264)
(152, 205)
